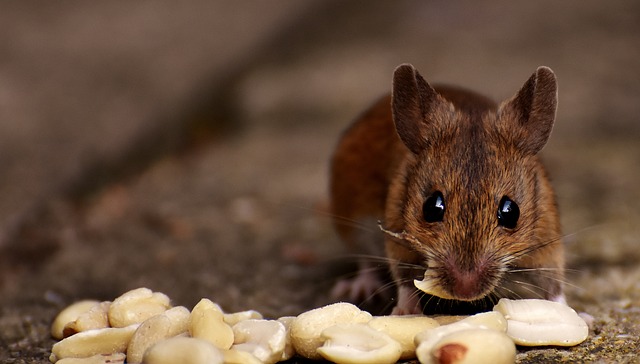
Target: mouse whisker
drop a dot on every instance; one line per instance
(535, 269)
(403, 236)
(384, 260)
(345, 221)
(494, 297)
(366, 258)
(379, 292)
(533, 288)
(529, 249)
(509, 293)
(553, 277)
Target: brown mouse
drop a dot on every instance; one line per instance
(464, 204)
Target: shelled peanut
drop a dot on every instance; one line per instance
(141, 326)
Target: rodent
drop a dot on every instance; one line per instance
(455, 181)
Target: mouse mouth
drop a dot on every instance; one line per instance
(434, 305)
(451, 283)
(430, 287)
(436, 299)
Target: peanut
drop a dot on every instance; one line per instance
(89, 343)
(306, 328)
(264, 339)
(95, 318)
(471, 346)
(358, 343)
(68, 315)
(535, 322)
(403, 329)
(185, 350)
(137, 305)
(207, 322)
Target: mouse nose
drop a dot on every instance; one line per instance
(467, 285)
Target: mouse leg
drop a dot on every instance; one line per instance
(366, 284)
(408, 302)
(371, 282)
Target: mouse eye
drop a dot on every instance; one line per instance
(433, 208)
(508, 213)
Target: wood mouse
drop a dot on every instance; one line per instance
(465, 207)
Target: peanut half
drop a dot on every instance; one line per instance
(207, 322)
(403, 329)
(428, 340)
(306, 328)
(534, 322)
(117, 358)
(137, 305)
(358, 343)
(289, 351)
(95, 318)
(185, 350)
(471, 346)
(68, 315)
(233, 318)
(233, 356)
(264, 339)
(89, 343)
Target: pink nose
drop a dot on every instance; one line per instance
(466, 285)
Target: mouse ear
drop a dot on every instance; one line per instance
(528, 117)
(416, 107)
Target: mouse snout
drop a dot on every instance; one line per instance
(466, 285)
(469, 283)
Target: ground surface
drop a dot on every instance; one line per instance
(185, 148)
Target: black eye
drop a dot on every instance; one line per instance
(508, 213)
(433, 208)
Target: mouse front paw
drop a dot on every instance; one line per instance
(408, 302)
(364, 286)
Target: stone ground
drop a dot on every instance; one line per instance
(184, 147)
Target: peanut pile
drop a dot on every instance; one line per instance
(141, 326)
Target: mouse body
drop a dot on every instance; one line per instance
(465, 208)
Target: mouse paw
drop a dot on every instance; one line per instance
(364, 286)
(408, 302)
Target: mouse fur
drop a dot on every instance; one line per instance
(424, 141)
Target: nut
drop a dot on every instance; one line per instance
(471, 346)
(233, 318)
(534, 322)
(117, 358)
(185, 350)
(289, 351)
(446, 319)
(89, 343)
(179, 318)
(429, 285)
(428, 339)
(487, 320)
(233, 356)
(137, 305)
(403, 329)
(68, 315)
(358, 343)
(150, 332)
(264, 339)
(95, 318)
(306, 329)
(207, 322)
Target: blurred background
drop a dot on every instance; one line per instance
(185, 146)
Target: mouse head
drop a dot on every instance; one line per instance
(477, 204)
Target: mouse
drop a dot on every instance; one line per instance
(445, 188)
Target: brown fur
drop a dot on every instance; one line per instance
(424, 139)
